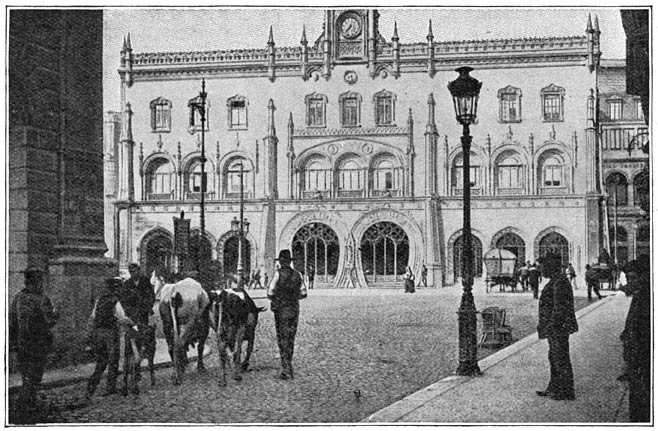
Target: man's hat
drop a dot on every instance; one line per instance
(284, 255)
(34, 270)
(550, 258)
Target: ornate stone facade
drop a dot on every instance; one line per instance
(350, 195)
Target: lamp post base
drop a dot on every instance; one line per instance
(467, 320)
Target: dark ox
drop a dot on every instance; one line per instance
(184, 313)
(237, 316)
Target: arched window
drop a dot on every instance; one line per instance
(200, 253)
(552, 173)
(509, 174)
(458, 173)
(554, 243)
(315, 249)
(386, 176)
(316, 177)
(384, 252)
(458, 256)
(617, 188)
(351, 179)
(156, 253)
(641, 190)
(160, 115)
(238, 177)
(198, 181)
(515, 244)
(160, 180)
(510, 104)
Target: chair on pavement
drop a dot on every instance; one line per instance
(495, 332)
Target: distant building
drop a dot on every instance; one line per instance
(624, 134)
(55, 144)
(351, 153)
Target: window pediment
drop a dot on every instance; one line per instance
(553, 89)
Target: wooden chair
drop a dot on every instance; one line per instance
(495, 332)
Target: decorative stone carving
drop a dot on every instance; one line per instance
(351, 77)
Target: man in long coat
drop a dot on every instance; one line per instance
(557, 321)
(31, 318)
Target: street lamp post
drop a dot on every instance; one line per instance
(201, 108)
(241, 226)
(465, 91)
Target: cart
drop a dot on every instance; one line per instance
(605, 275)
(501, 269)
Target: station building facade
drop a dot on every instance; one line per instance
(350, 153)
(624, 144)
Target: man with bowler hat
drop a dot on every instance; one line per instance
(31, 318)
(285, 291)
(557, 321)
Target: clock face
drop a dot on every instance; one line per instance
(351, 27)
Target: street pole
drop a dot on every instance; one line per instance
(202, 111)
(241, 231)
(468, 365)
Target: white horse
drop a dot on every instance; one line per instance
(183, 309)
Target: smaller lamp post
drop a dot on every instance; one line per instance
(200, 107)
(465, 91)
(241, 226)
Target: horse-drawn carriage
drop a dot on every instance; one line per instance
(501, 269)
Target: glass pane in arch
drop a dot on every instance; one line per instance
(158, 255)
(315, 249)
(384, 252)
(231, 252)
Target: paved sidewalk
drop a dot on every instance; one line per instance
(505, 393)
(72, 374)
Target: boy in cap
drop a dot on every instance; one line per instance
(31, 318)
(285, 291)
(105, 319)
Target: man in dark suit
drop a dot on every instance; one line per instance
(137, 295)
(557, 320)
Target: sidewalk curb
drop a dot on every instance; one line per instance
(67, 381)
(401, 408)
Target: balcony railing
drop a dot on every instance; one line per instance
(510, 191)
(459, 191)
(160, 196)
(236, 195)
(552, 191)
(349, 194)
(196, 196)
(385, 193)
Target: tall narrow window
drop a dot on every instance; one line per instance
(384, 102)
(316, 110)
(552, 103)
(351, 178)
(639, 115)
(350, 109)
(237, 112)
(509, 173)
(458, 172)
(552, 172)
(160, 115)
(614, 110)
(510, 104)
(195, 115)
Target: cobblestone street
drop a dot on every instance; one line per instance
(381, 344)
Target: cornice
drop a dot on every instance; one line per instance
(413, 58)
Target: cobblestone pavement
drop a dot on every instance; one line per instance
(357, 351)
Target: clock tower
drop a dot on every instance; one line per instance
(353, 34)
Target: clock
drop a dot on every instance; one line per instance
(350, 27)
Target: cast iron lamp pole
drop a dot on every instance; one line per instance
(201, 108)
(465, 91)
(241, 226)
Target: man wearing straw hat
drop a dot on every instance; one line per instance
(285, 291)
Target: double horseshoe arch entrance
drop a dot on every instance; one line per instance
(376, 252)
